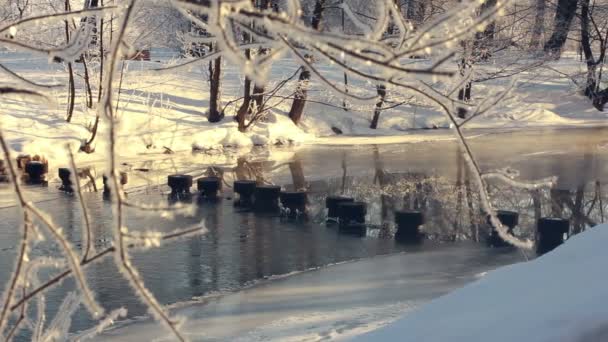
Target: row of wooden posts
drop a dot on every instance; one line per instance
(347, 213)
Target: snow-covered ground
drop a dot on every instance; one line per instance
(560, 296)
(166, 111)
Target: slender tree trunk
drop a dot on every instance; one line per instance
(416, 10)
(215, 70)
(381, 89)
(464, 94)
(87, 147)
(564, 13)
(299, 102)
(243, 110)
(71, 92)
(87, 83)
(101, 58)
(259, 89)
(71, 85)
(599, 98)
(539, 24)
(591, 85)
(258, 96)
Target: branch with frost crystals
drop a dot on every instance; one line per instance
(484, 106)
(87, 232)
(91, 304)
(27, 82)
(121, 254)
(57, 16)
(147, 239)
(103, 324)
(9, 292)
(60, 325)
(21, 92)
(543, 183)
(70, 51)
(167, 237)
(199, 60)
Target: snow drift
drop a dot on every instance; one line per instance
(560, 296)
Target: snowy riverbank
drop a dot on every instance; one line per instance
(162, 112)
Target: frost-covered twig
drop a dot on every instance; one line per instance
(87, 232)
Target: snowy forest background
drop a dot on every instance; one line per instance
(112, 79)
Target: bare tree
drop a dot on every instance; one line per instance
(565, 12)
(539, 24)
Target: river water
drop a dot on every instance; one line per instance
(246, 250)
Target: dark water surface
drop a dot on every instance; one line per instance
(242, 248)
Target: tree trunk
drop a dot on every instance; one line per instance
(490, 30)
(71, 85)
(599, 98)
(241, 114)
(564, 13)
(590, 87)
(299, 102)
(464, 94)
(71, 92)
(87, 84)
(258, 96)
(539, 24)
(381, 89)
(215, 69)
(415, 11)
(101, 58)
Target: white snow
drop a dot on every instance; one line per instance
(166, 111)
(560, 296)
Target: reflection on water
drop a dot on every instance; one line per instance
(242, 247)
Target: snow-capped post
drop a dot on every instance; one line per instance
(35, 171)
(106, 187)
(208, 187)
(23, 159)
(351, 216)
(408, 225)
(294, 203)
(551, 232)
(508, 218)
(180, 186)
(245, 190)
(332, 202)
(266, 198)
(123, 178)
(64, 174)
(3, 173)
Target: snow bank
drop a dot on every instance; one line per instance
(161, 112)
(560, 296)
